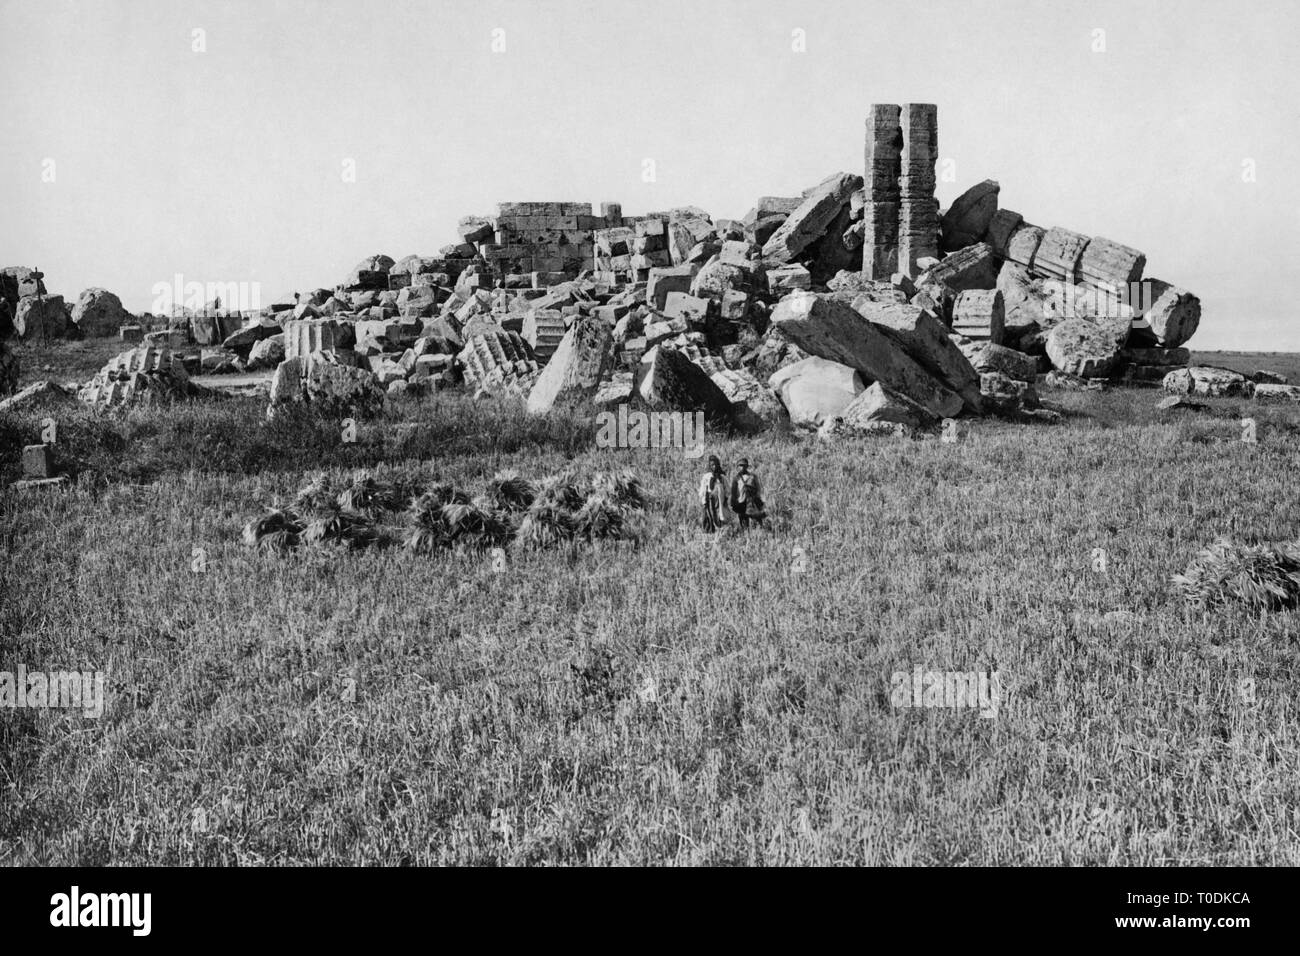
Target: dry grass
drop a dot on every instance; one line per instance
(692, 700)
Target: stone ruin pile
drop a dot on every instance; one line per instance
(857, 306)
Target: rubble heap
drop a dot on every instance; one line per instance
(855, 306)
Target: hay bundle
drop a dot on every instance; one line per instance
(369, 498)
(319, 494)
(340, 527)
(623, 487)
(475, 522)
(544, 525)
(603, 516)
(426, 530)
(559, 491)
(510, 492)
(439, 494)
(277, 530)
(1262, 577)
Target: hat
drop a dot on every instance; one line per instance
(743, 463)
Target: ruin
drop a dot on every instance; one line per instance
(948, 311)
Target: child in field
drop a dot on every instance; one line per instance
(747, 496)
(713, 496)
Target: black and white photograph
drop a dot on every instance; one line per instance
(757, 434)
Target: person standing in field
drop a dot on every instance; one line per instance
(747, 496)
(713, 496)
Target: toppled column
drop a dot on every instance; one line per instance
(1107, 264)
(306, 337)
(1172, 316)
(577, 367)
(918, 210)
(497, 360)
(1023, 244)
(880, 206)
(1058, 255)
(979, 314)
(543, 329)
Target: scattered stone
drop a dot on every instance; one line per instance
(665, 280)
(1263, 376)
(1208, 380)
(344, 389)
(1064, 380)
(967, 220)
(146, 373)
(1174, 315)
(717, 278)
(1178, 402)
(990, 357)
(878, 404)
(38, 461)
(40, 317)
(1084, 348)
(498, 361)
(244, 339)
(543, 330)
(1004, 395)
(815, 389)
(1001, 227)
(41, 393)
(788, 278)
(577, 368)
(1269, 392)
(267, 353)
(973, 267)
(287, 382)
(220, 361)
(810, 221)
(99, 312)
(979, 314)
(668, 380)
(836, 331)
(926, 341)
(1156, 356)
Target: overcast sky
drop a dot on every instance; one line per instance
(222, 155)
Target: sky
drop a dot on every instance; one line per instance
(146, 139)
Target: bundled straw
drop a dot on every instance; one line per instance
(508, 491)
(1265, 578)
(622, 487)
(354, 531)
(370, 498)
(319, 494)
(277, 530)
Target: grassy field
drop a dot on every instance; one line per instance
(693, 700)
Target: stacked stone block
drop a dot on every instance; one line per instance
(918, 210)
(880, 200)
(552, 239)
